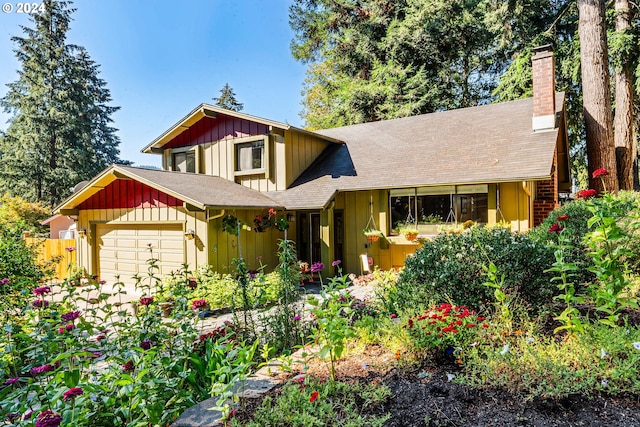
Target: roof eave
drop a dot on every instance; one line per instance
(201, 111)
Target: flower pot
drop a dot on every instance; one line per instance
(372, 238)
(411, 235)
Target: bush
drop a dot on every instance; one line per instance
(450, 268)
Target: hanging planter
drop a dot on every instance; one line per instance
(230, 224)
(372, 236)
(410, 233)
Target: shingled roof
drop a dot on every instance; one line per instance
(484, 144)
(198, 190)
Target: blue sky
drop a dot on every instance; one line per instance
(162, 58)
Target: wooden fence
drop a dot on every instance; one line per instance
(59, 254)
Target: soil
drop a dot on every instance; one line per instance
(425, 397)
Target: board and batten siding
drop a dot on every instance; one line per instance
(127, 202)
(515, 208)
(300, 151)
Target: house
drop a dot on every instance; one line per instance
(60, 227)
(499, 162)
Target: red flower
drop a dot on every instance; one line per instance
(146, 300)
(128, 367)
(556, 228)
(72, 392)
(600, 172)
(586, 194)
(563, 217)
(272, 212)
(314, 396)
(198, 304)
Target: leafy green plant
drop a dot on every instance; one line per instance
(332, 315)
(443, 329)
(450, 268)
(317, 403)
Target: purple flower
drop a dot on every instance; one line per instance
(146, 300)
(297, 318)
(146, 344)
(40, 303)
(27, 415)
(336, 262)
(12, 381)
(42, 369)
(48, 418)
(4, 281)
(70, 316)
(72, 393)
(317, 267)
(42, 290)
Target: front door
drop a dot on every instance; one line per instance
(309, 237)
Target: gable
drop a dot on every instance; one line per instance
(129, 194)
(216, 129)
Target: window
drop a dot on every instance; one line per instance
(429, 205)
(251, 155)
(184, 161)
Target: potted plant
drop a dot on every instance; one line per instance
(372, 235)
(410, 232)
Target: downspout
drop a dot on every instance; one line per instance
(529, 210)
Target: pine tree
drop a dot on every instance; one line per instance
(228, 99)
(59, 132)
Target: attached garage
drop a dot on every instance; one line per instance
(123, 250)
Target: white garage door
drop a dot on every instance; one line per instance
(124, 250)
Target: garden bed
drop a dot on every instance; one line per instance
(424, 396)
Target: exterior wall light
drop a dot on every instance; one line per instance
(190, 234)
(82, 233)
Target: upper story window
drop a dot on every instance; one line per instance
(184, 161)
(251, 155)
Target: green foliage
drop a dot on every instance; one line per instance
(373, 60)
(450, 268)
(337, 403)
(227, 99)
(600, 360)
(332, 313)
(133, 368)
(60, 131)
(18, 214)
(18, 263)
(442, 329)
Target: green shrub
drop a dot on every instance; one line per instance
(450, 268)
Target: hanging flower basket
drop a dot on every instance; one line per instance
(372, 236)
(410, 234)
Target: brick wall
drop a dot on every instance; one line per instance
(546, 195)
(543, 73)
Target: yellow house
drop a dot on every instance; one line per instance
(498, 162)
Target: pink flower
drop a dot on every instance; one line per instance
(42, 290)
(40, 303)
(11, 381)
(70, 249)
(72, 393)
(199, 303)
(42, 369)
(70, 316)
(272, 212)
(393, 316)
(586, 194)
(48, 418)
(336, 263)
(146, 300)
(556, 228)
(600, 172)
(314, 396)
(317, 267)
(297, 318)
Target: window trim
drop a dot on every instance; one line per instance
(248, 139)
(195, 149)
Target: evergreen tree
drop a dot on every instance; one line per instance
(228, 99)
(59, 132)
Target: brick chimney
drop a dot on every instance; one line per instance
(544, 91)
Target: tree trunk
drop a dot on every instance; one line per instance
(624, 125)
(596, 93)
